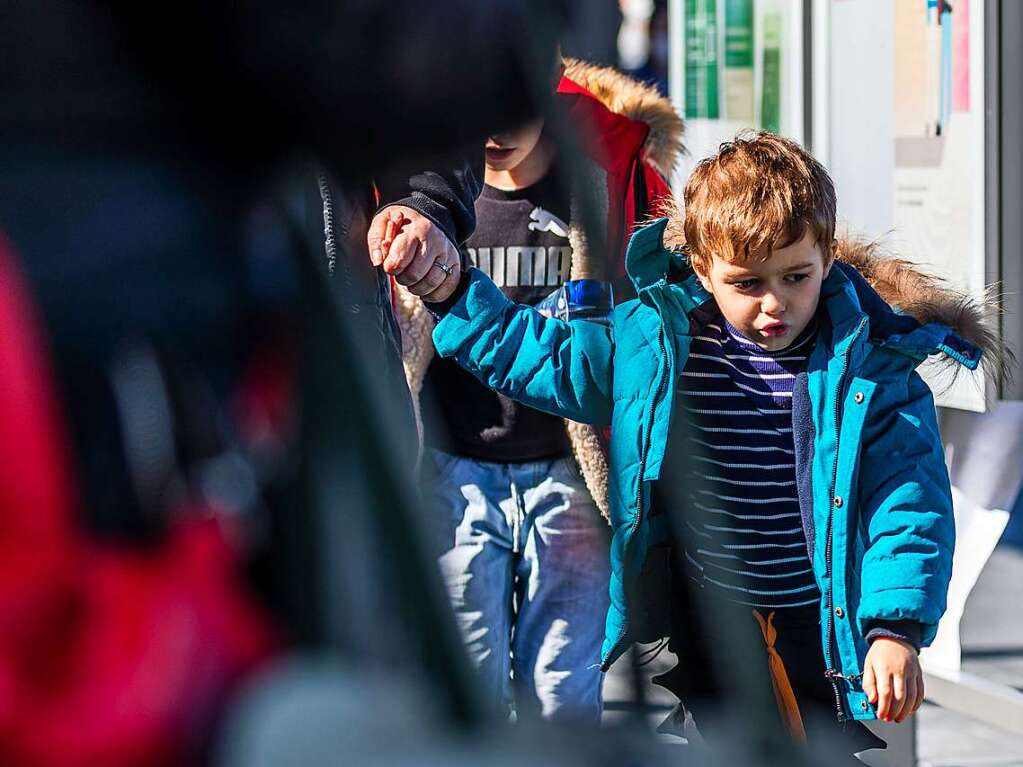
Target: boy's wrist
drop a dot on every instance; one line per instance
(439, 309)
(907, 631)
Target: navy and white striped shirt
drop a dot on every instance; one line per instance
(743, 534)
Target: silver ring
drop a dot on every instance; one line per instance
(446, 268)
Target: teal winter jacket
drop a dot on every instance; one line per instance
(873, 486)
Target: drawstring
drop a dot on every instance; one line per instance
(783, 695)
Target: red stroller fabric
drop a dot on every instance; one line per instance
(110, 654)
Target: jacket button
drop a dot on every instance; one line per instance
(858, 398)
(838, 501)
(839, 612)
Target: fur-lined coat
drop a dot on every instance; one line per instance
(632, 138)
(873, 488)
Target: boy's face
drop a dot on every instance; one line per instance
(770, 301)
(506, 151)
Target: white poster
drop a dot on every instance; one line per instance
(899, 121)
(938, 180)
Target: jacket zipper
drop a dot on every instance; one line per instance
(832, 674)
(329, 243)
(642, 470)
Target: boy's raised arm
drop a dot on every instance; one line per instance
(563, 368)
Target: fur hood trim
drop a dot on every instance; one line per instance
(928, 298)
(638, 101)
(903, 286)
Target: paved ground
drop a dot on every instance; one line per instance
(992, 638)
(946, 739)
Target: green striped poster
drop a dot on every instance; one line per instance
(701, 40)
(770, 93)
(738, 74)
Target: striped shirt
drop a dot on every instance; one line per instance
(743, 533)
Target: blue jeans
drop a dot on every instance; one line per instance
(526, 564)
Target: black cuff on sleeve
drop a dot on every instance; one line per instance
(439, 309)
(907, 631)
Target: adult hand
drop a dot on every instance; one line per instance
(413, 250)
(892, 679)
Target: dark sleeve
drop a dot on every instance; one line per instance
(439, 309)
(446, 195)
(907, 631)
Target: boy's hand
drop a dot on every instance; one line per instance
(892, 679)
(412, 249)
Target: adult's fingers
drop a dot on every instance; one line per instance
(383, 229)
(375, 237)
(419, 269)
(446, 288)
(439, 250)
(395, 224)
(404, 250)
(433, 277)
(434, 248)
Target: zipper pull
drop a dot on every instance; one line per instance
(833, 676)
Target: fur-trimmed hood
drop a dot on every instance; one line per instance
(926, 298)
(641, 102)
(895, 293)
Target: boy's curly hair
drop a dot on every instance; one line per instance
(759, 192)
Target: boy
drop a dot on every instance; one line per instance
(817, 464)
(525, 549)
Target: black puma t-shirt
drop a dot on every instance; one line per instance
(521, 242)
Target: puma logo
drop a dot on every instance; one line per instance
(541, 220)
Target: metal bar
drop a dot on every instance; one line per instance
(1004, 121)
(808, 74)
(974, 696)
(677, 75)
(818, 28)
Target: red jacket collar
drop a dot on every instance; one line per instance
(611, 139)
